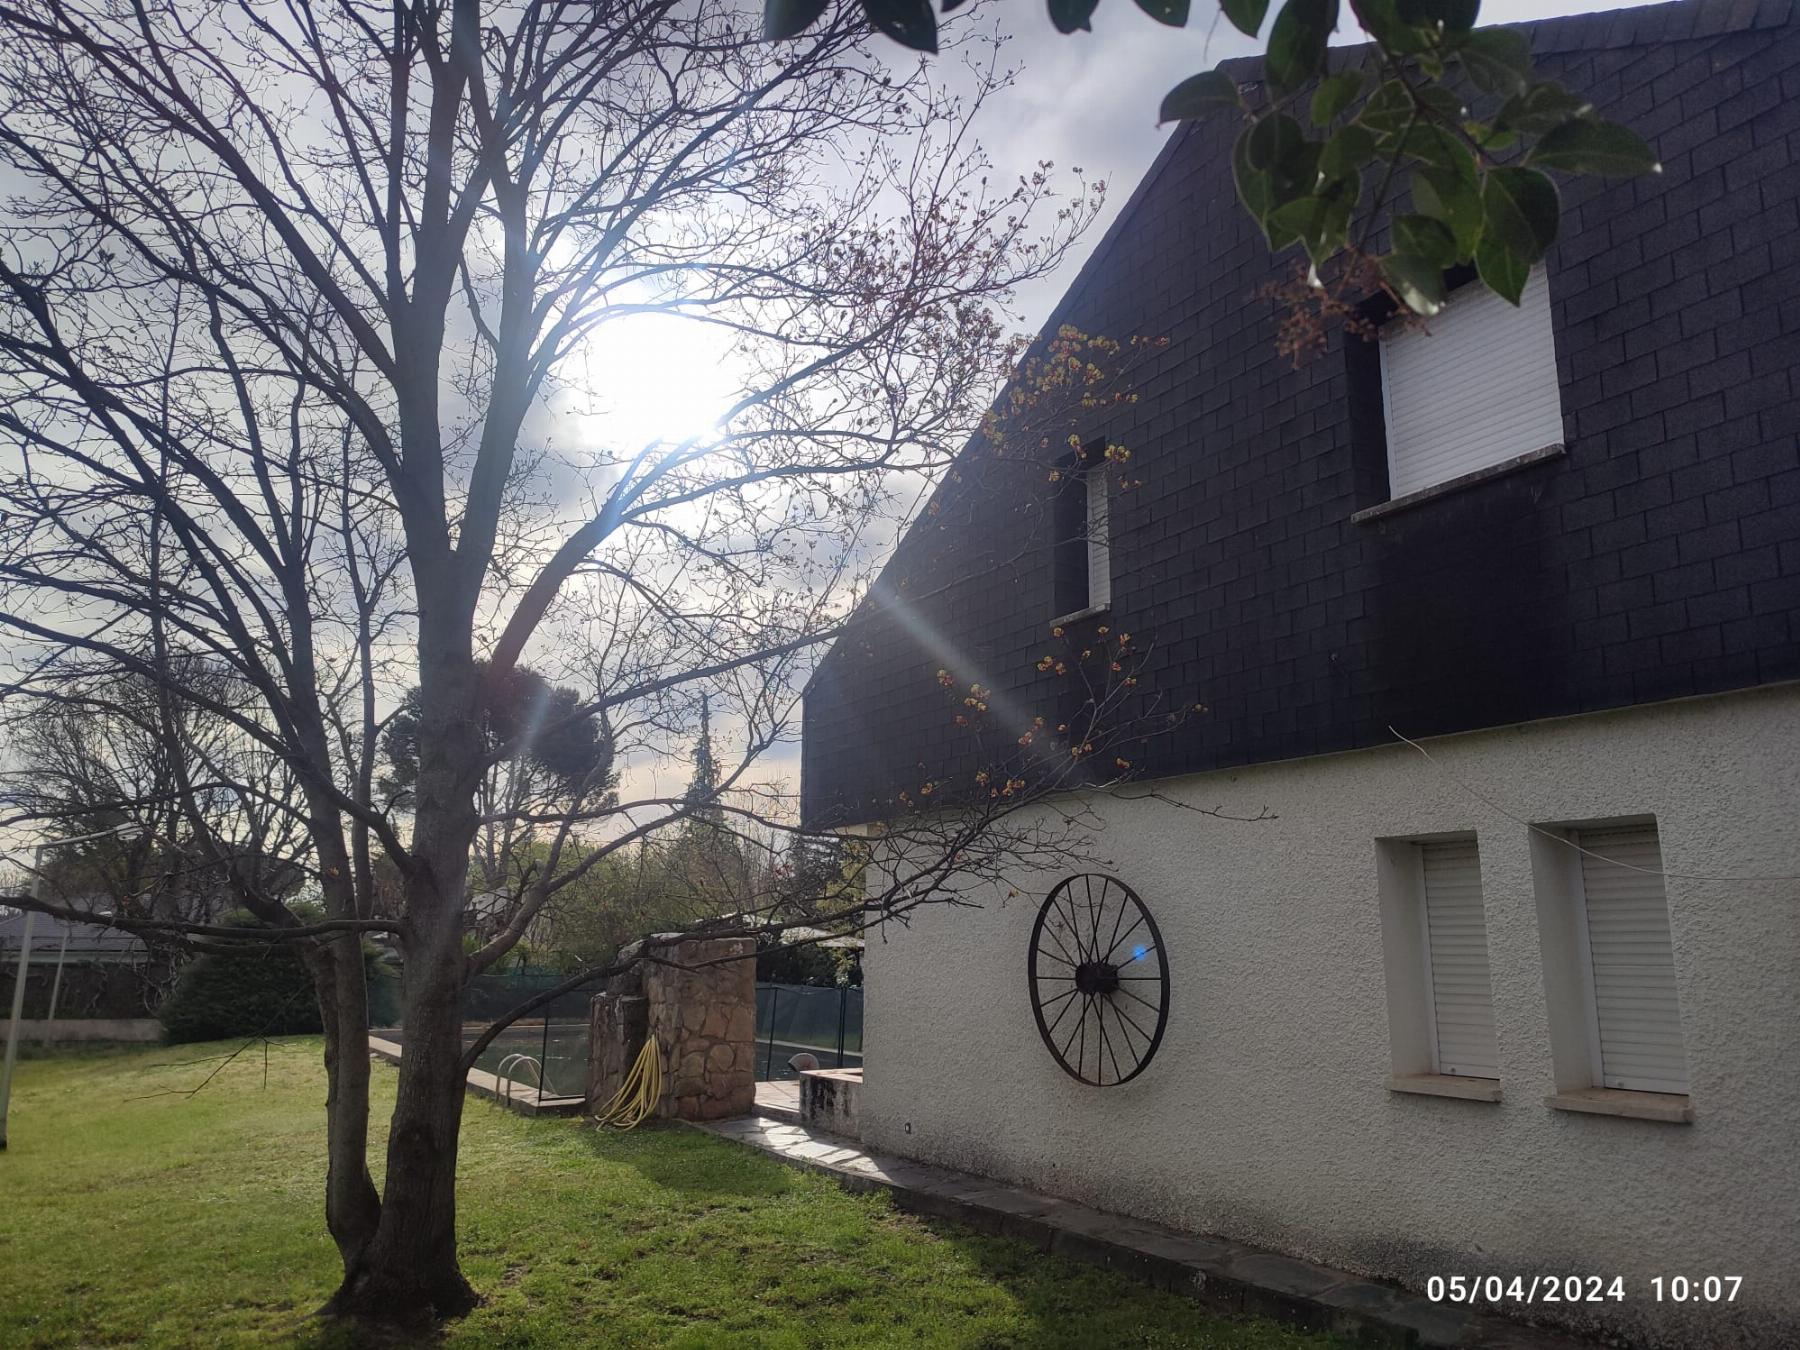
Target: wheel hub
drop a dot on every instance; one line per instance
(1096, 977)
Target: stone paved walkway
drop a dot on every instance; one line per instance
(778, 1101)
(1228, 1277)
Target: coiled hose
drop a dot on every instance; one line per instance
(635, 1101)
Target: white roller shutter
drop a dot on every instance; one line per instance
(1474, 388)
(1637, 1015)
(1462, 1003)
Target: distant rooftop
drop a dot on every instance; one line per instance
(47, 932)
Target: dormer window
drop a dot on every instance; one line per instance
(1473, 388)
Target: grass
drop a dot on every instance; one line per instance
(134, 1213)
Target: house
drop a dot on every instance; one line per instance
(1516, 994)
(92, 974)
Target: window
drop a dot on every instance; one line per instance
(1462, 1003)
(1636, 1014)
(1434, 935)
(1099, 548)
(1609, 970)
(1083, 555)
(1474, 388)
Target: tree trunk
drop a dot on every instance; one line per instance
(408, 1271)
(340, 979)
(352, 1208)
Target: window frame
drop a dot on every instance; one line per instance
(1566, 952)
(1430, 975)
(1082, 480)
(1415, 1047)
(1590, 987)
(1379, 415)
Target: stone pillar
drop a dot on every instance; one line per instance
(698, 1000)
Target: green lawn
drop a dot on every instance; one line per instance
(132, 1212)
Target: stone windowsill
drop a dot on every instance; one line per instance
(1673, 1108)
(1446, 1085)
(1467, 480)
(1091, 612)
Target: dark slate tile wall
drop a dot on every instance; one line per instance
(1660, 557)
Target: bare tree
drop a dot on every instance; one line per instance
(288, 288)
(206, 817)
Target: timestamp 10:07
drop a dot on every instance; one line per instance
(1699, 1289)
(1578, 1288)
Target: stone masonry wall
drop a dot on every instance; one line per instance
(697, 998)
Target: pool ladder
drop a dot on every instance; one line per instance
(504, 1075)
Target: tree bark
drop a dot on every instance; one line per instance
(408, 1270)
(352, 1208)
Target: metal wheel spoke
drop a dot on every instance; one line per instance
(1135, 999)
(1136, 924)
(1113, 941)
(1080, 1021)
(1075, 931)
(1059, 1017)
(1133, 1021)
(1117, 1075)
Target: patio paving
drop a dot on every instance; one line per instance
(779, 1101)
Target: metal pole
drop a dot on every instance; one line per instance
(843, 1005)
(56, 987)
(544, 1052)
(18, 1003)
(769, 1058)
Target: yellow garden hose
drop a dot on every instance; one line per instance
(635, 1101)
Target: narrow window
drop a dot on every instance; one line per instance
(1462, 1005)
(1099, 550)
(1636, 1013)
(1474, 387)
(1082, 556)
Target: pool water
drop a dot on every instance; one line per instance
(560, 1049)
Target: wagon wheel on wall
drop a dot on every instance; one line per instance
(1099, 979)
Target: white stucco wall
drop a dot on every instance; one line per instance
(1265, 1116)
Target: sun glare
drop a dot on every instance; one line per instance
(649, 377)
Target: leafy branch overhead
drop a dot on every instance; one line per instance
(1433, 113)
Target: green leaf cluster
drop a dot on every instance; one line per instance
(1478, 177)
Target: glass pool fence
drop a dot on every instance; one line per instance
(793, 1019)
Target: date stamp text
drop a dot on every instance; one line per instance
(1497, 1289)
